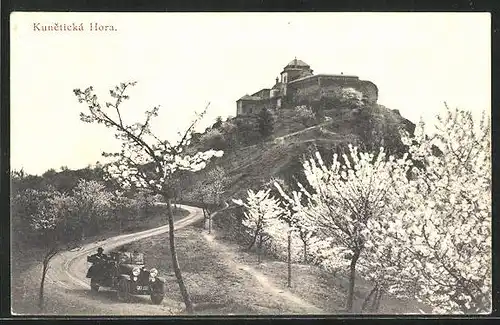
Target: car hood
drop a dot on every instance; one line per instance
(130, 267)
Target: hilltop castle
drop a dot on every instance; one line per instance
(296, 79)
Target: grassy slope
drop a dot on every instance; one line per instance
(253, 165)
(214, 289)
(219, 289)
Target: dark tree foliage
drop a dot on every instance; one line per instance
(265, 122)
(247, 131)
(218, 123)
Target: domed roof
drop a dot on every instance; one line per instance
(297, 63)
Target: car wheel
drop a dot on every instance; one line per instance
(156, 298)
(123, 292)
(94, 286)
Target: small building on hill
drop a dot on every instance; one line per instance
(297, 80)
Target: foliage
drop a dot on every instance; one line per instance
(448, 214)
(214, 138)
(265, 121)
(302, 225)
(305, 115)
(91, 208)
(247, 131)
(52, 208)
(351, 97)
(416, 228)
(218, 122)
(321, 98)
(261, 213)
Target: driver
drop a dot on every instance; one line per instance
(98, 262)
(100, 256)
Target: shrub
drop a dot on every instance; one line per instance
(265, 121)
(214, 138)
(305, 115)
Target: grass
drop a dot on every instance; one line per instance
(217, 288)
(213, 287)
(323, 289)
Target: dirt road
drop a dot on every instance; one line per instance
(67, 289)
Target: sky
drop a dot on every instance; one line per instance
(183, 61)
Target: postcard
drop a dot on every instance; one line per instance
(250, 163)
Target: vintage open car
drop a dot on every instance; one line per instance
(126, 273)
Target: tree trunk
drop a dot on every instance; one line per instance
(367, 299)
(352, 279)
(379, 297)
(305, 252)
(209, 223)
(260, 248)
(175, 262)
(41, 301)
(374, 301)
(289, 259)
(45, 266)
(204, 218)
(254, 239)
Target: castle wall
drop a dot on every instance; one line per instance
(239, 108)
(300, 90)
(250, 107)
(330, 85)
(255, 106)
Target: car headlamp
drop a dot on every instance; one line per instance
(136, 271)
(153, 273)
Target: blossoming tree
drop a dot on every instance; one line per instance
(261, 216)
(448, 237)
(145, 160)
(93, 205)
(301, 222)
(346, 197)
(52, 210)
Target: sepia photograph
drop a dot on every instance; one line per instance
(285, 163)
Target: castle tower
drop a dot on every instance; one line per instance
(295, 69)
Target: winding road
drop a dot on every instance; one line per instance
(68, 293)
(68, 289)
